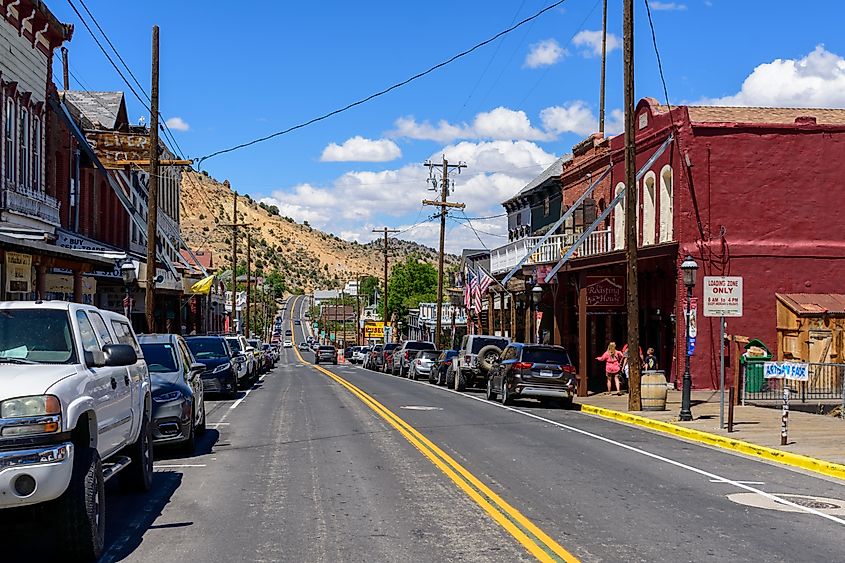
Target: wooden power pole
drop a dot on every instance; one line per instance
(235, 225)
(248, 282)
(152, 201)
(443, 205)
(603, 64)
(631, 203)
(386, 231)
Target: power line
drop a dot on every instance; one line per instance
(657, 53)
(386, 90)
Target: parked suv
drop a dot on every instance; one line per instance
(221, 372)
(403, 355)
(244, 359)
(75, 411)
(371, 360)
(325, 354)
(474, 360)
(533, 370)
(422, 364)
(387, 357)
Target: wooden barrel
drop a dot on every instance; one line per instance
(653, 390)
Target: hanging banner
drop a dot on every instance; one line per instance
(18, 272)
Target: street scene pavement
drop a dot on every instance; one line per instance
(303, 468)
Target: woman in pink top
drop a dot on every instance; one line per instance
(612, 359)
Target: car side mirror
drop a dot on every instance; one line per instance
(116, 355)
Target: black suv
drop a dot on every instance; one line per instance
(325, 354)
(533, 370)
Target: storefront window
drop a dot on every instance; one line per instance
(23, 148)
(9, 136)
(36, 154)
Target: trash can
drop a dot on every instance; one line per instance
(756, 353)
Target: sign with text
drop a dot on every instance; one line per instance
(786, 370)
(373, 329)
(722, 296)
(18, 272)
(605, 292)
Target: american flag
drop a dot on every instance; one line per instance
(468, 283)
(485, 280)
(476, 292)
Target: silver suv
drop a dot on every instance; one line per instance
(474, 361)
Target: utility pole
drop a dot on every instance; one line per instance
(443, 205)
(234, 225)
(386, 231)
(152, 201)
(65, 71)
(603, 64)
(631, 203)
(248, 281)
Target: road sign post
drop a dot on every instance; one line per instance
(722, 298)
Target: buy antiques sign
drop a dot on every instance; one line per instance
(722, 296)
(607, 292)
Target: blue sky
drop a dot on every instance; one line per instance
(508, 110)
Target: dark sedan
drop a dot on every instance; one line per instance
(220, 375)
(533, 370)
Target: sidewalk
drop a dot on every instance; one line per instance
(815, 436)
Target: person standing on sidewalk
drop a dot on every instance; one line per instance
(612, 359)
(650, 360)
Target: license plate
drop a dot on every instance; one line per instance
(546, 373)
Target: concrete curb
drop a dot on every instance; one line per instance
(823, 467)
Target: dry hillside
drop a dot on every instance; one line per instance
(308, 258)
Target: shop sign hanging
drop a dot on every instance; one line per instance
(18, 272)
(607, 292)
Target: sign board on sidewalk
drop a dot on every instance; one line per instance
(722, 296)
(786, 370)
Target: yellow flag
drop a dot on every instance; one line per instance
(203, 286)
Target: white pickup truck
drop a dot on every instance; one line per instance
(74, 412)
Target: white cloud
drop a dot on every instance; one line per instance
(576, 117)
(669, 6)
(544, 53)
(816, 80)
(177, 124)
(591, 41)
(500, 123)
(360, 149)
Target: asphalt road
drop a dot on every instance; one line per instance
(361, 466)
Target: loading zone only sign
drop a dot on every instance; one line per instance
(722, 296)
(786, 370)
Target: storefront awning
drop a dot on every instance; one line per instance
(46, 249)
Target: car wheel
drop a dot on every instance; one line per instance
(138, 477)
(460, 381)
(190, 444)
(335, 362)
(431, 376)
(491, 395)
(233, 393)
(450, 377)
(506, 396)
(566, 403)
(80, 513)
(201, 426)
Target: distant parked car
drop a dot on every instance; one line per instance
(437, 375)
(177, 390)
(296, 322)
(304, 346)
(288, 343)
(371, 361)
(533, 370)
(221, 373)
(402, 355)
(386, 359)
(258, 352)
(325, 354)
(348, 352)
(422, 364)
(244, 359)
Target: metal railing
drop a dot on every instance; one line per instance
(824, 386)
(31, 203)
(504, 258)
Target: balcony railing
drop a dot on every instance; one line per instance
(33, 204)
(504, 258)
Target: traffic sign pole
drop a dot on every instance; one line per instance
(721, 372)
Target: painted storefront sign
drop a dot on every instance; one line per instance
(18, 272)
(606, 292)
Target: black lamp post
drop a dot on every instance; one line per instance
(127, 272)
(689, 267)
(536, 296)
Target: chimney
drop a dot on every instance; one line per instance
(805, 120)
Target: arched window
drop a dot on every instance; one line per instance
(619, 220)
(667, 198)
(649, 208)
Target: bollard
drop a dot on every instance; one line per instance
(730, 409)
(784, 419)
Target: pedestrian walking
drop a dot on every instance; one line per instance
(612, 359)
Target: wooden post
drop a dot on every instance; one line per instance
(490, 312)
(234, 263)
(583, 358)
(512, 310)
(152, 190)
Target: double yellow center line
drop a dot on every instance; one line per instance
(537, 542)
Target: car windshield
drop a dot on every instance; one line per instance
(234, 344)
(390, 347)
(160, 357)
(327, 348)
(479, 343)
(207, 348)
(419, 346)
(36, 336)
(546, 356)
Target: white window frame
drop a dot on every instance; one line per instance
(619, 219)
(24, 152)
(37, 153)
(11, 149)
(649, 207)
(666, 204)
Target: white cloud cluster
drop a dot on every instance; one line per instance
(816, 80)
(177, 124)
(590, 40)
(669, 6)
(359, 149)
(498, 124)
(544, 53)
(576, 117)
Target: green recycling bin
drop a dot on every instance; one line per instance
(753, 364)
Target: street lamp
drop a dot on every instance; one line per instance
(127, 272)
(689, 268)
(536, 296)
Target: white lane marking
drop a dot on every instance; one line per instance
(241, 400)
(261, 378)
(216, 424)
(179, 466)
(420, 408)
(702, 472)
(743, 482)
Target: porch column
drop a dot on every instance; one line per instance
(502, 312)
(557, 315)
(512, 310)
(583, 360)
(77, 286)
(490, 312)
(41, 280)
